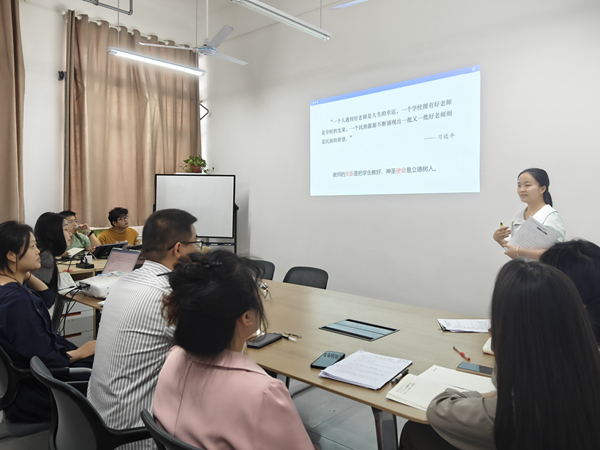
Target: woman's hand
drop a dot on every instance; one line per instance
(512, 251)
(491, 394)
(500, 235)
(87, 349)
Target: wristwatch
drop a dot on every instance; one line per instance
(91, 232)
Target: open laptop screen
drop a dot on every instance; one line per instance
(121, 261)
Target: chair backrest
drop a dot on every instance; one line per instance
(268, 268)
(10, 377)
(75, 423)
(164, 441)
(307, 276)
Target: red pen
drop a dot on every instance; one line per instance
(463, 354)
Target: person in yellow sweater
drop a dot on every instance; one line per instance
(120, 231)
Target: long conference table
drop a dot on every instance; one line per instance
(302, 310)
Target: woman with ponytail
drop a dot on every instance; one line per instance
(209, 394)
(533, 187)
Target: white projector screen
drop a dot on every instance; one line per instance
(419, 136)
(210, 198)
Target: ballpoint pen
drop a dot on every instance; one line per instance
(399, 377)
(463, 354)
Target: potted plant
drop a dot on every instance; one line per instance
(196, 164)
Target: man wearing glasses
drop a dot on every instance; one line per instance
(133, 338)
(82, 235)
(120, 231)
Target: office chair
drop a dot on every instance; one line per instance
(164, 441)
(10, 378)
(75, 423)
(307, 276)
(268, 268)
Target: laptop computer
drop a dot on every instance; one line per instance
(121, 260)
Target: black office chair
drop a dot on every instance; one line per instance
(268, 268)
(164, 441)
(75, 423)
(307, 276)
(10, 378)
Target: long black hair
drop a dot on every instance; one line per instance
(548, 364)
(49, 233)
(541, 176)
(14, 237)
(210, 292)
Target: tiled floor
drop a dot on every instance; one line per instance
(337, 423)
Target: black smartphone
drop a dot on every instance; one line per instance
(475, 368)
(264, 340)
(327, 359)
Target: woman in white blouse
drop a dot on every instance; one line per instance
(533, 189)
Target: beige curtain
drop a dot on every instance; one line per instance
(12, 93)
(125, 121)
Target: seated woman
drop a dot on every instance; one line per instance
(547, 372)
(580, 260)
(209, 394)
(53, 237)
(25, 326)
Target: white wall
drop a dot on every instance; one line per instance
(540, 66)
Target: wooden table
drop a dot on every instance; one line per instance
(303, 310)
(78, 273)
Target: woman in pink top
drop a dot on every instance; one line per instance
(209, 394)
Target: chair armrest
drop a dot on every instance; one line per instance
(74, 370)
(81, 386)
(132, 435)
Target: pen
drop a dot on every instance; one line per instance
(463, 354)
(501, 224)
(289, 338)
(399, 377)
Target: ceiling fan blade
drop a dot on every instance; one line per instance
(230, 59)
(220, 37)
(167, 46)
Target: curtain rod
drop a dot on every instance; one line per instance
(114, 27)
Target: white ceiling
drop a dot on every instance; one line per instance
(174, 19)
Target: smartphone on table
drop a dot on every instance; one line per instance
(475, 368)
(327, 359)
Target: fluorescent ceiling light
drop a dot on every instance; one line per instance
(283, 17)
(156, 62)
(344, 5)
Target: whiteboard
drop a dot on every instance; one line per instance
(209, 198)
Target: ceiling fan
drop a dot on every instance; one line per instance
(210, 45)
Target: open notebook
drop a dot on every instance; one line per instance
(418, 391)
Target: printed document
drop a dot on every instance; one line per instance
(533, 235)
(465, 325)
(366, 369)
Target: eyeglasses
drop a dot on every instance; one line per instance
(124, 218)
(197, 243)
(72, 221)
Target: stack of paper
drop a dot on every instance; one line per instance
(366, 369)
(418, 391)
(465, 325)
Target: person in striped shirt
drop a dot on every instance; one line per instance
(134, 339)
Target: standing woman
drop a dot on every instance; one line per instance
(25, 325)
(547, 372)
(53, 238)
(209, 393)
(533, 189)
